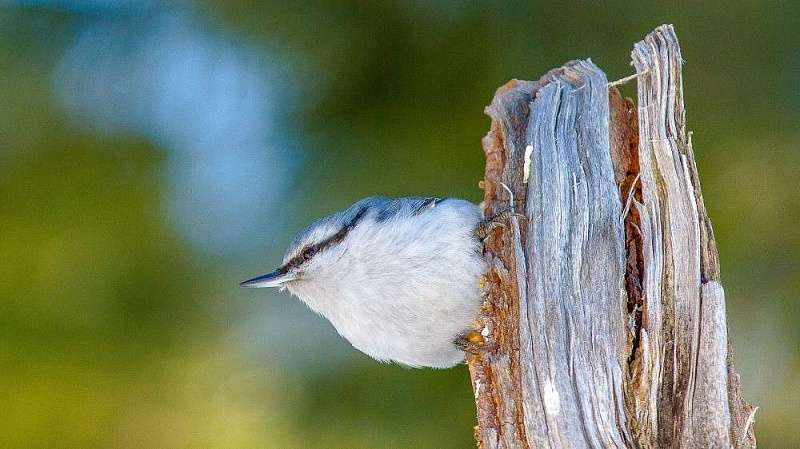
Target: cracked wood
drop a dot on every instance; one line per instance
(604, 314)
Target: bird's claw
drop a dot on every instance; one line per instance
(470, 342)
(486, 227)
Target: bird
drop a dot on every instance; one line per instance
(399, 278)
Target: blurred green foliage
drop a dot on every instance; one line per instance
(117, 332)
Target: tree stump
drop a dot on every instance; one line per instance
(604, 317)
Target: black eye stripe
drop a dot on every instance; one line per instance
(316, 248)
(309, 252)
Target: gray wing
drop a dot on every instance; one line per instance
(413, 205)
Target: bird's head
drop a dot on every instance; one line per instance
(313, 256)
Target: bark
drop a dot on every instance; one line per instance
(604, 317)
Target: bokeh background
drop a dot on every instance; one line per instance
(155, 153)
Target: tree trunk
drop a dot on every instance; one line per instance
(604, 317)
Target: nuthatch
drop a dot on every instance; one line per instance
(398, 278)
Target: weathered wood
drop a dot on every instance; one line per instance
(604, 315)
(684, 317)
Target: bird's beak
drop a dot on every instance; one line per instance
(274, 279)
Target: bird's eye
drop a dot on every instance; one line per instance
(309, 252)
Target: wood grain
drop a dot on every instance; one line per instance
(604, 314)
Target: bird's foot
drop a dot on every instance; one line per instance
(482, 282)
(471, 342)
(486, 227)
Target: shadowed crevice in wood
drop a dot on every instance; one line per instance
(624, 146)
